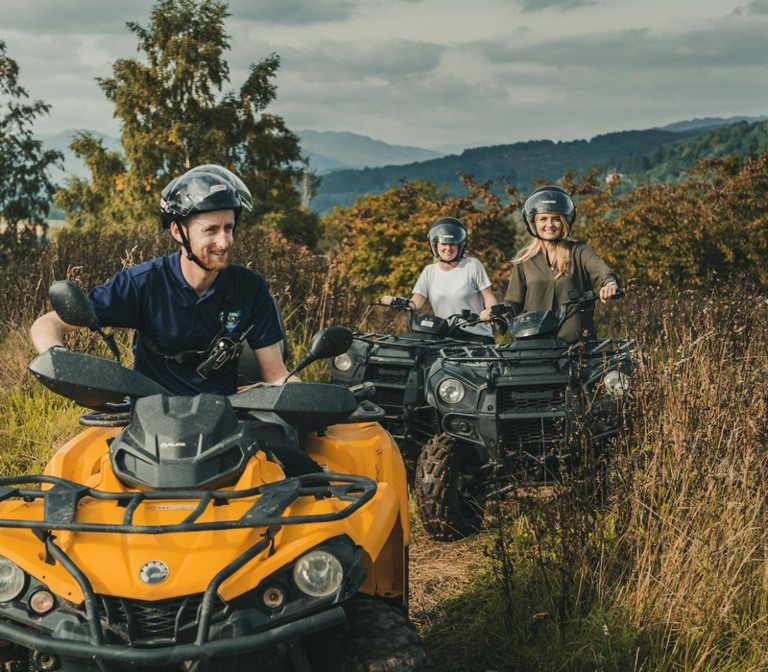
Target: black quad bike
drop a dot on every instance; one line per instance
(518, 415)
(264, 530)
(397, 366)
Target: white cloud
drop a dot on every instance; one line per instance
(433, 72)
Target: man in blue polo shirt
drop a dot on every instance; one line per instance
(192, 311)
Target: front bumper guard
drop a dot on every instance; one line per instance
(60, 502)
(176, 653)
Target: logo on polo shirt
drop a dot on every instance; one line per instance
(231, 319)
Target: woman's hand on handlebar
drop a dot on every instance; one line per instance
(396, 302)
(610, 291)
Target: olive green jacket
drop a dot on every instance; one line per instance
(533, 287)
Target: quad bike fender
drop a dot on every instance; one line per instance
(81, 457)
(367, 449)
(386, 574)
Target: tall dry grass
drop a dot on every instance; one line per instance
(693, 536)
(670, 572)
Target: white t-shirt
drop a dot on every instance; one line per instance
(450, 292)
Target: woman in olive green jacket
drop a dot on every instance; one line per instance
(552, 264)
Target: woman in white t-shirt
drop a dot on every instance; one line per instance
(454, 282)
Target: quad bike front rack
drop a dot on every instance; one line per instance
(60, 504)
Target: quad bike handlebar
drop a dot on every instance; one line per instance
(501, 314)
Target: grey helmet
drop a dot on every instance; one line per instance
(448, 230)
(548, 199)
(203, 189)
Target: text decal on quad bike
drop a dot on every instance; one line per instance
(154, 572)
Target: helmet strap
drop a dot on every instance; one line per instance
(455, 260)
(188, 248)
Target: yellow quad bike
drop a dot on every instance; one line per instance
(265, 530)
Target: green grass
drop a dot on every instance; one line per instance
(33, 424)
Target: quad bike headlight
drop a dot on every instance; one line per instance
(318, 574)
(343, 362)
(451, 391)
(616, 384)
(11, 580)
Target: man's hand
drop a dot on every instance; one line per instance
(48, 331)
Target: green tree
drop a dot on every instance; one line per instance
(25, 185)
(175, 114)
(382, 239)
(100, 202)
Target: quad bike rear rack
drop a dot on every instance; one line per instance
(60, 503)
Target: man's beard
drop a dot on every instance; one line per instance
(214, 262)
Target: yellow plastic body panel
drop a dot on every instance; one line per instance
(112, 561)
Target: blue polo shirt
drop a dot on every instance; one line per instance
(154, 299)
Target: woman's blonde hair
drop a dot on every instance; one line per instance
(562, 252)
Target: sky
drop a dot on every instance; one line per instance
(435, 74)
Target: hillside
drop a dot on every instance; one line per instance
(653, 154)
(352, 165)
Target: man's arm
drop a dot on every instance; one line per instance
(49, 330)
(272, 367)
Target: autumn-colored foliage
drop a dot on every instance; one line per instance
(382, 239)
(696, 232)
(709, 226)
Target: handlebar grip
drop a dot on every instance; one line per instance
(400, 303)
(502, 310)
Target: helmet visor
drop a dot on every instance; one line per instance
(246, 200)
(450, 234)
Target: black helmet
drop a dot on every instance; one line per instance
(202, 189)
(548, 199)
(448, 230)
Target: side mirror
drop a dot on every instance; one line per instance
(328, 342)
(72, 305)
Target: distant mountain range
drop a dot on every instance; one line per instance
(327, 151)
(652, 155)
(352, 165)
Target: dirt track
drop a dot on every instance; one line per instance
(439, 571)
